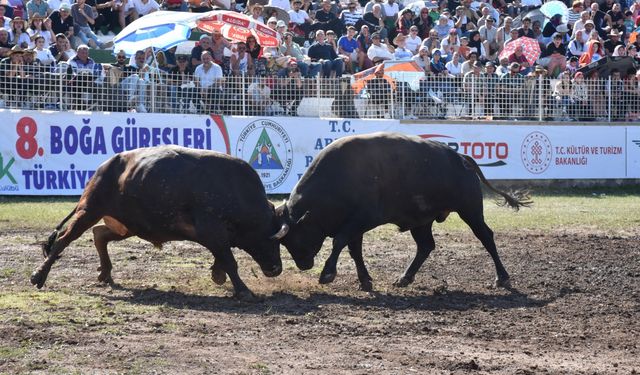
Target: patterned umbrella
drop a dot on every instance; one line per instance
(530, 48)
(237, 27)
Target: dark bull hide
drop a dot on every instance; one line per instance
(358, 183)
(172, 193)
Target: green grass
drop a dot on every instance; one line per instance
(608, 209)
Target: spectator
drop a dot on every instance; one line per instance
(182, 88)
(83, 18)
(87, 74)
(259, 95)
(40, 28)
(473, 85)
(613, 41)
(631, 97)
(108, 16)
(413, 40)
(200, 6)
(597, 100)
(283, 4)
(601, 20)
(18, 33)
(256, 13)
(375, 21)
(573, 15)
(290, 48)
(460, 20)
(379, 51)
(135, 82)
(526, 29)
(42, 53)
(14, 76)
(62, 50)
(351, 16)
(553, 57)
(576, 45)
(401, 52)
(450, 44)
(423, 60)
(490, 89)
(331, 40)
(208, 79)
(281, 28)
(424, 23)
(511, 89)
(299, 20)
(475, 44)
(617, 106)
(4, 20)
(364, 42)
(5, 45)
(404, 22)
(518, 57)
(579, 98)
(241, 61)
(503, 68)
(562, 96)
(203, 45)
(504, 33)
(432, 42)
(581, 23)
(488, 37)
(39, 7)
(61, 21)
(326, 19)
(572, 66)
(437, 66)
(442, 28)
(326, 56)
(289, 89)
(454, 67)
(144, 7)
(380, 92)
(467, 66)
(594, 52)
(348, 47)
(551, 28)
(390, 9)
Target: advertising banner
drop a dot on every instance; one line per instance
(56, 153)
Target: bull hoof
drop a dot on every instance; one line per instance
(402, 282)
(366, 286)
(504, 283)
(247, 296)
(327, 278)
(105, 278)
(38, 279)
(218, 276)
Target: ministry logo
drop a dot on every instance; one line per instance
(267, 147)
(536, 152)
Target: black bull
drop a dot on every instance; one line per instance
(358, 183)
(172, 193)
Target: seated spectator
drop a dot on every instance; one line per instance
(299, 20)
(450, 44)
(83, 18)
(413, 40)
(18, 33)
(283, 4)
(39, 28)
(62, 50)
(424, 23)
(437, 65)
(326, 56)
(551, 28)
(351, 16)
(488, 36)
(454, 67)
(135, 81)
(256, 13)
(380, 92)
(218, 44)
(432, 42)
(475, 45)
(289, 90)
(553, 57)
(613, 42)
(290, 48)
(401, 52)
(594, 52)
(375, 21)
(61, 21)
(4, 20)
(259, 95)
(241, 61)
(108, 16)
(326, 19)
(526, 29)
(200, 6)
(467, 65)
(182, 87)
(442, 28)
(208, 80)
(404, 22)
(423, 60)
(504, 33)
(519, 57)
(378, 51)
(332, 40)
(5, 45)
(348, 48)
(576, 45)
(42, 53)
(144, 7)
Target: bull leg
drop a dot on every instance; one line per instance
(329, 271)
(355, 250)
(485, 235)
(80, 222)
(424, 239)
(102, 235)
(217, 273)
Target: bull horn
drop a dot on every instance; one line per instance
(284, 229)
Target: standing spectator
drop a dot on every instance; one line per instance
(579, 98)
(39, 7)
(380, 92)
(208, 79)
(83, 18)
(511, 89)
(61, 21)
(473, 85)
(259, 95)
(325, 55)
(562, 96)
(289, 89)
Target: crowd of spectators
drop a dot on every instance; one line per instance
(458, 44)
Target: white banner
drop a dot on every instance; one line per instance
(56, 153)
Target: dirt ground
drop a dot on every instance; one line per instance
(574, 309)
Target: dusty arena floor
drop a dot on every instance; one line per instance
(574, 309)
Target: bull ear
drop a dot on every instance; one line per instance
(284, 229)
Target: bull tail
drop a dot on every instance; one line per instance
(46, 247)
(517, 199)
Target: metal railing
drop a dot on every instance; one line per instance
(403, 96)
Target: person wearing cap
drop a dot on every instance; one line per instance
(401, 52)
(511, 88)
(553, 56)
(18, 32)
(379, 51)
(322, 53)
(181, 92)
(614, 41)
(589, 32)
(62, 21)
(39, 7)
(204, 44)
(423, 60)
(488, 36)
(83, 18)
(442, 28)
